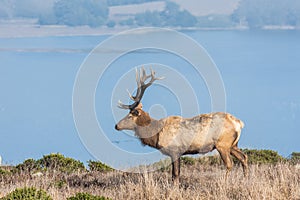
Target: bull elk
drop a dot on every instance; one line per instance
(176, 136)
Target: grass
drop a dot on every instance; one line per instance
(198, 181)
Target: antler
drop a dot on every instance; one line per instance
(142, 86)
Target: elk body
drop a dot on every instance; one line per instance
(176, 136)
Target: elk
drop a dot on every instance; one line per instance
(175, 136)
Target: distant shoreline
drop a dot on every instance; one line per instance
(18, 29)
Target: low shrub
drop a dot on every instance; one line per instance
(294, 158)
(254, 157)
(27, 194)
(50, 162)
(87, 196)
(186, 160)
(162, 165)
(210, 160)
(28, 166)
(60, 163)
(262, 156)
(99, 166)
(4, 172)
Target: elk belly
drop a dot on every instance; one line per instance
(200, 149)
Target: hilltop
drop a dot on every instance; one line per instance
(271, 177)
(32, 18)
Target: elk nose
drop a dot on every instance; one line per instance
(116, 127)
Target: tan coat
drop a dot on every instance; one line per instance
(176, 136)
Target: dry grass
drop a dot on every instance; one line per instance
(281, 181)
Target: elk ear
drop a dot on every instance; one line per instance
(140, 106)
(135, 112)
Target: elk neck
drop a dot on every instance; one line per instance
(148, 129)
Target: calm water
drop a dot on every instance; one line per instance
(260, 70)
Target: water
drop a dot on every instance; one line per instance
(260, 70)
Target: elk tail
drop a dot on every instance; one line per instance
(238, 125)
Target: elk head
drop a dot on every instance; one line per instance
(136, 116)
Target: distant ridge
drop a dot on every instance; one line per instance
(208, 7)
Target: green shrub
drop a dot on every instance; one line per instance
(162, 165)
(99, 166)
(60, 184)
(210, 160)
(295, 158)
(60, 163)
(28, 166)
(186, 160)
(4, 171)
(50, 162)
(87, 196)
(262, 156)
(27, 194)
(254, 157)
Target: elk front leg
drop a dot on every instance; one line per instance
(175, 169)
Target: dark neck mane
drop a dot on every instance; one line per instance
(148, 132)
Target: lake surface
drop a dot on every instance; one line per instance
(260, 71)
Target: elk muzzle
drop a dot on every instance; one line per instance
(116, 127)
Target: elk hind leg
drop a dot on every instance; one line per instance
(225, 155)
(236, 152)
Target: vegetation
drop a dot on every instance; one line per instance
(50, 162)
(170, 16)
(186, 160)
(259, 13)
(94, 13)
(197, 182)
(78, 12)
(28, 166)
(127, 2)
(60, 163)
(213, 160)
(25, 8)
(201, 178)
(27, 194)
(295, 158)
(3, 172)
(99, 166)
(255, 157)
(86, 196)
(263, 156)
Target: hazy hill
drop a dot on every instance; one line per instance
(256, 14)
(208, 7)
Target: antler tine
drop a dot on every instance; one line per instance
(141, 77)
(130, 95)
(156, 78)
(153, 78)
(137, 76)
(138, 82)
(123, 106)
(141, 85)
